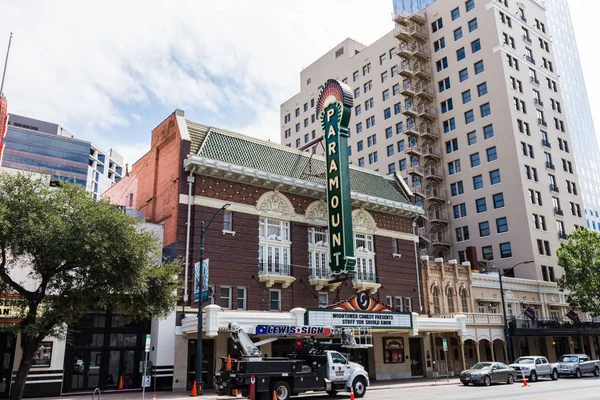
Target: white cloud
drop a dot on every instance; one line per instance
(99, 68)
(92, 65)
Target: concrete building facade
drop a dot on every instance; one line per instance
(577, 107)
(511, 186)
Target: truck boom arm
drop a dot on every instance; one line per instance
(249, 348)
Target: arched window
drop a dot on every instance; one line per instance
(464, 301)
(436, 300)
(450, 295)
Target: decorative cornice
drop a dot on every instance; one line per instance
(195, 161)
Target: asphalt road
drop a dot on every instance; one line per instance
(562, 389)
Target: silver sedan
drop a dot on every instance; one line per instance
(486, 373)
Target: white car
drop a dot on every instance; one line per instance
(534, 367)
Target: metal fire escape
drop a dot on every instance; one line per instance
(426, 176)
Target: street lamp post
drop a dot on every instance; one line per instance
(203, 230)
(506, 334)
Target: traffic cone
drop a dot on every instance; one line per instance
(154, 396)
(274, 395)
(194, 389)
(525, 384)
(351, 393)
(120, 383)
(228, 365)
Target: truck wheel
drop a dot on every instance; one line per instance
(332, 393)
(554, 375)
(359, 386)
(596, 372)
(577, 373)
(533, 376)
(282, 390)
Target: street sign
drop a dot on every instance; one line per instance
(445, 344)
(147, 380)
(148, 337)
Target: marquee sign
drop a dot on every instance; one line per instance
(334, 107)
(359, 319)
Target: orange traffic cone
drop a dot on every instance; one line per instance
(153, 396)
(120, 383)
(274, 395)
(351, 393)
(228, 365)
(194, 389)
(525, 384)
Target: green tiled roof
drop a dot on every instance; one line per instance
(274, 158)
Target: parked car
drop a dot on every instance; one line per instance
(486, 373)
(534, 367)
(577, 365)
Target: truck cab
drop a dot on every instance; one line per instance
(534, 367)
(578, 365)
(343, 375)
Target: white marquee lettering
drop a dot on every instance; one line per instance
(335, 202)
(331, 132)
(337, 257)
(332, 148)
(336, 239)
(333, 166)
(335, 223)
(334, 183)
(330, 113)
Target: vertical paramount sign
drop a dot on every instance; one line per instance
(333, 108)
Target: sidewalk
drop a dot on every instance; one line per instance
(209, 395)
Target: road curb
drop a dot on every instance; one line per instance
(416, 385)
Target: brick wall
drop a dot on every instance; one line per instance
(155, 181)
(234, 262)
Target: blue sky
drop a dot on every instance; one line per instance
(111, 71)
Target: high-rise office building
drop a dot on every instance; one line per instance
(410, 6)
(34, 145)
(461, 101)
(577, 107)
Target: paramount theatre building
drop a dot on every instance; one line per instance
(267, 248)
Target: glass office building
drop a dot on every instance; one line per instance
(577, 108)
(410, 6)
(61, 157)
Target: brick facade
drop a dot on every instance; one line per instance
(154, 187)
(236, 192)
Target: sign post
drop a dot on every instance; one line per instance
(145, 380)
(334, 107)
(445, 346)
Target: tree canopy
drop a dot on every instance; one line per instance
(64, 254)
(580, 259)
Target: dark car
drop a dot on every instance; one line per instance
(486, 373)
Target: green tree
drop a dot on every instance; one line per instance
(580, 258)
(65, 254)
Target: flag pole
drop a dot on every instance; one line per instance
(5, 64)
